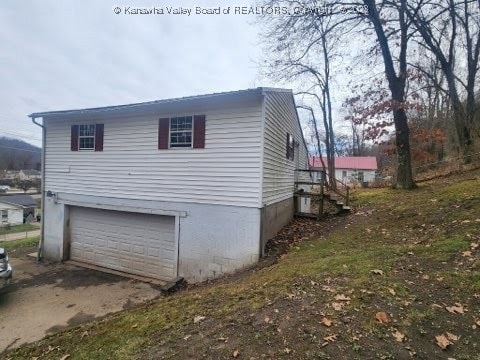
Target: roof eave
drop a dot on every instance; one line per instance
(150, 105)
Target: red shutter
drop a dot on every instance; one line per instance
(98, 137)
(199, 131)
(163, 131)
(74, 138)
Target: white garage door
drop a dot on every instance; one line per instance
(134, 243)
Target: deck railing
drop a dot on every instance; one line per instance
(320, 189)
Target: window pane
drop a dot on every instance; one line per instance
(173, 124)
(87, 130)
(181, 131)
(290, 141)
(173, 138)
(86, 143)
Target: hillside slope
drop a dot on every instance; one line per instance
(398, 279)
(17, 154)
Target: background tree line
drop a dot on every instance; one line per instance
(16, 154)
(407, 72)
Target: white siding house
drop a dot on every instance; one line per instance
(10, 214)
(351, 170)
(189, 187)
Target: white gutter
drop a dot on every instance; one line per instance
(42, 229)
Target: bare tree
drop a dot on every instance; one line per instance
(301, 48)
(396, 81)
(25, 185)
(315, 131)
(450, 30)
(309, 44)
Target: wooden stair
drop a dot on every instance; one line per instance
(320, 193)
(339, 204)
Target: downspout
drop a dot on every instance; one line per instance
(42, 228)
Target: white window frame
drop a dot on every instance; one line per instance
(86, 137)
(181, 131)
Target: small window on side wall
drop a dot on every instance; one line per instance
(86, 137)
(182, 132)
(290, 147)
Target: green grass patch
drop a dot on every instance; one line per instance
(17, 228)
(16, 244)
(444, 248)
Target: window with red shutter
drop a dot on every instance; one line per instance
(99, 137)
(182, 132)
(87, 137)
(74, 138)
(163, 131)
(199, 131)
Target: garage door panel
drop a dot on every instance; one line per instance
(141, 244)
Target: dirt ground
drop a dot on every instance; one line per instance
(44, 298)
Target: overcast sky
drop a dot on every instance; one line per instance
(73, 54)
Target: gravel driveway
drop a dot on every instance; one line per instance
(45, 298)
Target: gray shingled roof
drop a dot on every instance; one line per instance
(19, 199)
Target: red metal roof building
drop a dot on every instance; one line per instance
(347, 162)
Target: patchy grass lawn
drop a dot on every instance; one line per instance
(18, 228)
(20, 243)
(398, 279)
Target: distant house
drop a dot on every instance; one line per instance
(190, 187)
(29, 174)
(26, 203)
(11, 174)
(10, 214)
(350, 169)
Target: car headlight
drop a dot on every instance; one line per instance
(3, 259)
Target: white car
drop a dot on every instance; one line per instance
(5, 269)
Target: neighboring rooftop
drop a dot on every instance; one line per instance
(347, 162)
(19, 199)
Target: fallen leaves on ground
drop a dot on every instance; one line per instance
(198, 319)
(457, 308)
(382, 317)
(330, 338)
(398, 336)
(327, 322)
(342, 297)
(445, 340)
(377, 271)
(236, 353)
(338, 306)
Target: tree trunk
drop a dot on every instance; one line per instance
(462, 124)
(402, 143)
(397, 88)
